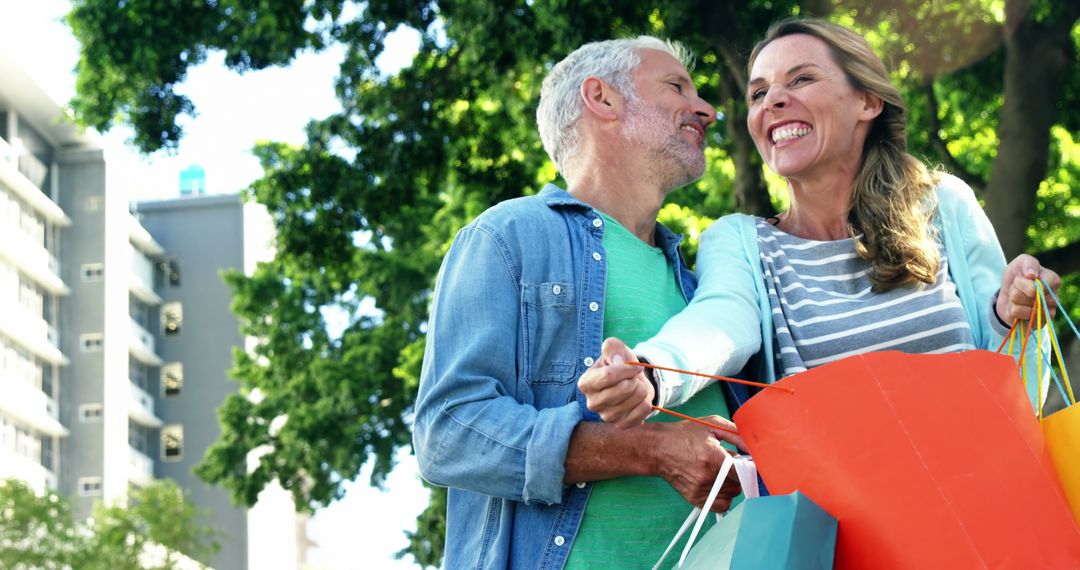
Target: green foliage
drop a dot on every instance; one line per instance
(367, 207)
(135, 54)
(39, 532)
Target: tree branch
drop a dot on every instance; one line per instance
(1064, 260)
(942, 148)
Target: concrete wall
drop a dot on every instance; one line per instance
(81, 188)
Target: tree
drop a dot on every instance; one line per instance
(156, 531)
(367, 207)
(36, 532)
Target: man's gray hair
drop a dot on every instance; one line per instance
(613, 61)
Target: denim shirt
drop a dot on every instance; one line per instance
(517, 317)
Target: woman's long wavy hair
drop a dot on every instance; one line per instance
(893, 199)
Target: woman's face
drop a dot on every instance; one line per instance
(804, 116)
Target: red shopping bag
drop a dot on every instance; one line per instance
(926, 461)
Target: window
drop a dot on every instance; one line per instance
(172, 442)
(172, 318)
(139, 312)
(91, 412)
(91, 342)
(93, 272)
(138, 373)
(172, 379)
(89, 486)
(137, 436)
(170, 271)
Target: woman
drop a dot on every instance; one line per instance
(875, 252)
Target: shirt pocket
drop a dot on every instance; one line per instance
(550, 333)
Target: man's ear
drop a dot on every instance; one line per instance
(601, 99)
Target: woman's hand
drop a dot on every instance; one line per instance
(1017, 295)
(619, 392)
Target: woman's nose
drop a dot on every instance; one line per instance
(776, 98)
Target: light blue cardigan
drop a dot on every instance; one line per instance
(724, 324)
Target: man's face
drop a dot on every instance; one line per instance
(667, 119)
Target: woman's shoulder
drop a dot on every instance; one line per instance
(953, 192)
(734, 223)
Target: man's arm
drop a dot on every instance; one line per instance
(473, 430)
(686, 455)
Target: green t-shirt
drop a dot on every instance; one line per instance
(629, 521)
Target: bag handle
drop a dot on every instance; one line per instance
(1040, 288)
(1040, 312)
(748, 479)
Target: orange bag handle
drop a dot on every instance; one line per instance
(1039, 312)
(1040, 287)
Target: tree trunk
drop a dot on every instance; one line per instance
(1038, 56)
(1064, 260)
(749, 190)
(733, 45)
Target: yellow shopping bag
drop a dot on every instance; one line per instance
(1062, 428)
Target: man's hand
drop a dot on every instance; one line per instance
(619, 392)
(689, 458)
(1017, 294)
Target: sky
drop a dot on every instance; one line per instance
(366, 527)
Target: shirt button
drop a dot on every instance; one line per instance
(597, 223)
(559, 541)
(589, 361)
(556, 289)
(581, 485)
(596, 255)
(594, 306)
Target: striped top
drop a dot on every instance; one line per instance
(823, 309)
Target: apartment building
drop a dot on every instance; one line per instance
(204, 236)
(34, 152)
(115, 333)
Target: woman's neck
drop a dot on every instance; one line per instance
(818, 212)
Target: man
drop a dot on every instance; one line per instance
(524, 297)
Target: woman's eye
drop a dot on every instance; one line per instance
(801, 79)
(756, 95)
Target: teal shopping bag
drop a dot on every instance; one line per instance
(785, 532)
(781, 532)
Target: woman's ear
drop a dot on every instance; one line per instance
(872, 106)
(601, 99)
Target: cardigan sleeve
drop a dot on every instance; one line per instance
(719, 330)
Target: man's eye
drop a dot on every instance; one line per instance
(677, 86)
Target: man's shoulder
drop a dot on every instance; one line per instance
(512, 210)
(527, 214)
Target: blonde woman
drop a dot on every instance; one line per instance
(875, 252)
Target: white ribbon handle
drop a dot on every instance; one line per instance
(748, 479)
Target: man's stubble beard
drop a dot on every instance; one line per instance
(674, 161)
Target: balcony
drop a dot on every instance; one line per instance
(141, 282)
(31, 258)
(138, 236)
(141, 345)
(33, 169)
(31, 406)
(140, 468)
(24, 174)
(30, 331)
(27, 470)
(141, 408)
